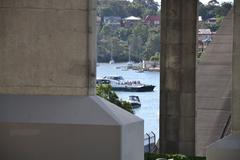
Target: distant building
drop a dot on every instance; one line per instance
(98, 22)
(212, 21)
(152, 20)
(204, 38)
(131, 21)
(113, 21)
(204, 34)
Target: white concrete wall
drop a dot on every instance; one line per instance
(59, 142)
(67, 128)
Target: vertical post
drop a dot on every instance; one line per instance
(178, 59)
(92, 46)
(236, 69)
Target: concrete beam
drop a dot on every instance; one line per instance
(47, 47)
(178, 58)
(67, 127)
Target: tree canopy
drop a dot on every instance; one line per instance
(105, 91)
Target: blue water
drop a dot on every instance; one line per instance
(149, 110)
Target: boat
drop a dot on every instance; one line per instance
(111, 61)
(134, 101)
(140, 71)
(119, 84)
(124, 68)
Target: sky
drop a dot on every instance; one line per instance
(205, 1)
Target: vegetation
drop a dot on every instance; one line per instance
(214, 9)
(156, 57)
(138, 8)
(140, 40)
(105, 91)
(154, 156)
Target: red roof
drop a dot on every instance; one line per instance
(152, 18)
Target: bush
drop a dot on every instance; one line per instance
(105, 91)
(154, 156)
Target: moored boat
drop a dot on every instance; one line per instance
(119, 84)
(134, 101)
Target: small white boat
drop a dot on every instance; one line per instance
(134, 101)
(111, 61)
(140, 71)
(130, 65)
(124, 68)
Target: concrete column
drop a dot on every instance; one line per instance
(236, 69)
(229, 147)
(47, 77)
(47, 47)
(178, 55)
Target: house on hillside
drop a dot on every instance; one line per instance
(131, 21)
(212, 21)
(113, 21)
(152, 20)
(98, 22)
(204, 38)
(204, 35)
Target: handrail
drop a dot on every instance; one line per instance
(149, 142)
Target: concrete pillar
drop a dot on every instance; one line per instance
(45, 47)
(178, 48)
(229, 147)
(236, 67)
(48, 105)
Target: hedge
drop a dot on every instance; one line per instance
(154, 156)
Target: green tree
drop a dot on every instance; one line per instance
(105, 91)
(156, 57)
(123, 33)
(152, 45)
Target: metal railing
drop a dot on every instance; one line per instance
(149, 142)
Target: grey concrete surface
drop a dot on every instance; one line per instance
(229, 147)
(213, 87)
(48, 110)
(45, 49)
(67, 127)
(178, 48)
(236, 69)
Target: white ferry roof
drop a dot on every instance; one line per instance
(118, 78)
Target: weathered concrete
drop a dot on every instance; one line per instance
(45, 49)
(229, 147)
(236, 69)
(213, 86)
(178, 48)
(67, 127)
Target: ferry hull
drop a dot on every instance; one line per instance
(147, 88)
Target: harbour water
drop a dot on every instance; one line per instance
(149, 110)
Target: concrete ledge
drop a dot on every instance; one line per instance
(225, 149)
(67, 127)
